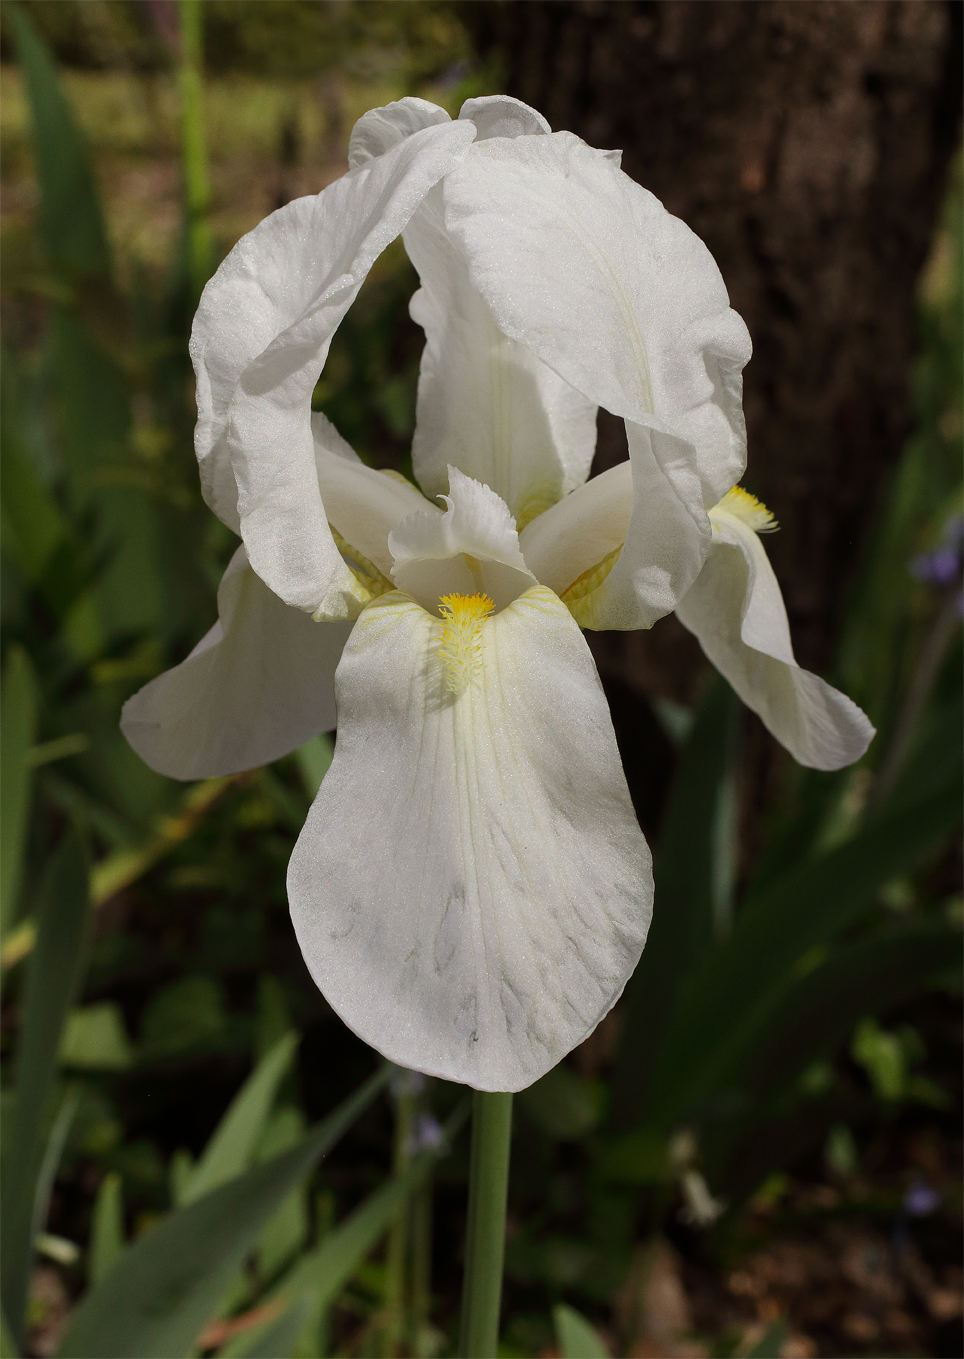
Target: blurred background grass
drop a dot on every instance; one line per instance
(286, 82)
(760, 1147)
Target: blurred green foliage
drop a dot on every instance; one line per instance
(169, 1075)
(287, 39)
(891, 611)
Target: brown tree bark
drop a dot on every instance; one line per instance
(807, 142)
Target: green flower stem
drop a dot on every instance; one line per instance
(485, 1234)
(325, 1218)
(398, 1236)
(197, 183)
(421, 1301)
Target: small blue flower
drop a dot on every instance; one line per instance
(920, 1200)
(427, 1134)
(943, 565)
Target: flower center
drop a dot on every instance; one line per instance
(461, 650)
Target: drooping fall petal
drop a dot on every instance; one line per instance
(471, 890)
(258, 685)
(737, 612)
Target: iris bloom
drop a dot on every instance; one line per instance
(471, 890)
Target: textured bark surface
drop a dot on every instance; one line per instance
(808, 144)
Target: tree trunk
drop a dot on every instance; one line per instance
(808, 145)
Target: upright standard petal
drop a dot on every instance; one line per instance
(499, 115)
(736, 611)
(257, 686)
(494, 115)
(471, 890)
(378, 130)
(586, 268)
(362, 505)
(260, 340)
(486, 403)
(623, 549)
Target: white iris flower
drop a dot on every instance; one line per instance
(471, 890)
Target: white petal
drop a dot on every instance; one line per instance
(378, 130)
(260, 339)
(575, 535)
(257, 686)
(650, 507)
(362, 504)
(328, 439)
(578, 262)
(486, 403)
(736, 611)
(472, 547)
(471, 890)
(499, 115)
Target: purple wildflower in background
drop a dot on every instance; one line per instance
(920, 1200)
(942, 565)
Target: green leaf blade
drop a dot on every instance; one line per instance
(107, 1228)
(52, 981)
(692, 874)
(18, 729)
(160, 1292)
(866, 977)
(789, 918)
(321, 1274)
(576, 1338)
(71, 221)
(815, 1015)
(232, 1147)
(278, 1339)
(95, 1039)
